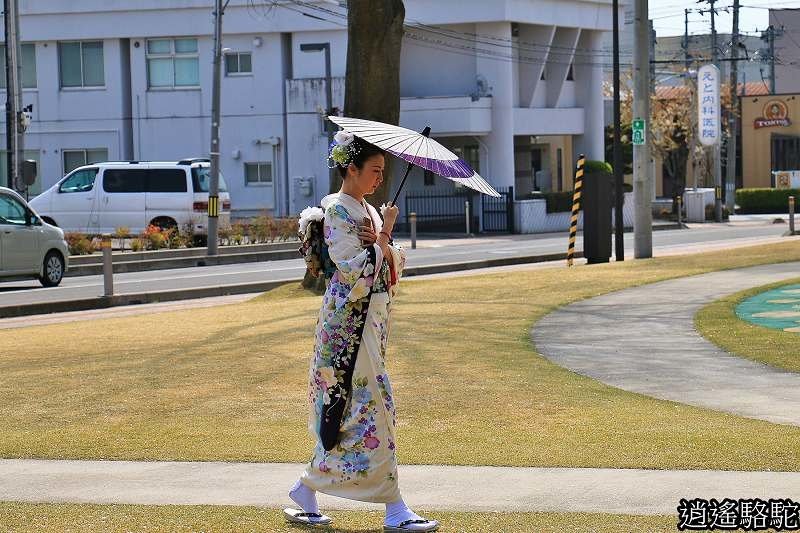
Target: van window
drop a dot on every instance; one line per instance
(79, 181)
(121, 180)
(201, 178)
(166, 180)
(11, 210)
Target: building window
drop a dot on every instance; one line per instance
(238, 64)
(77, 158)
(81, 64)
(256, 174)
(28, 66)
(34, 189)
(571, 73)
(172, 63)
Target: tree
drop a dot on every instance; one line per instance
(372, 85)
(672, 133)
(372, 82)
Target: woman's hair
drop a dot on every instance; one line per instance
(360, 150)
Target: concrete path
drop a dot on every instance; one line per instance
(426, 487)
(643, 340)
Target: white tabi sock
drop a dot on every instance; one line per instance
(398, 512)
(303, 496)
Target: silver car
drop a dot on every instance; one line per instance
(29, 247)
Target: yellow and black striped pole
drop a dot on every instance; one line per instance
(213, 206)
(576, 208)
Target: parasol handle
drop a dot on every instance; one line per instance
(426, 132)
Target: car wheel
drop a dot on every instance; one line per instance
(53, 269)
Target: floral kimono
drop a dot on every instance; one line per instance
(352, 413)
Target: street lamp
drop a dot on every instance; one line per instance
(324, 47)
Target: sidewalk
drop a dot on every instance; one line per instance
(658, 352)
(462, 488)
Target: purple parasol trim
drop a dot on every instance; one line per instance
(457, 168)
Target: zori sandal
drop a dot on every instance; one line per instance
(296, 516)
(412, 525)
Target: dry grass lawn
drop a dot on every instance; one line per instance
(719, 324)
(71, 518)
(229, 383)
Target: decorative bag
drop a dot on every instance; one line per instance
(313, 248)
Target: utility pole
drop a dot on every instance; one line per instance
(687, 58)
(733, 119)
(642, 180)
(769, 37)
(619, 243)
(14, 126)
(213, 185)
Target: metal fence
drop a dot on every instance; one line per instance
(498, 213)
(445, 211)
(442, 211)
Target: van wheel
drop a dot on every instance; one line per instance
(164, 223)
(53, 269)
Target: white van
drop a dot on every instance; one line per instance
(29, 247)
(102, 197)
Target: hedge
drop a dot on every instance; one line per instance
(765, 201)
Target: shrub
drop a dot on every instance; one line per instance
(711, 214)
(137, 245)
(121, 234)
(287, 228)
(78, 243)
(597, 167)
(224, 235)
(557, 202)
(154, 238)
(765, 201)
(237, 233)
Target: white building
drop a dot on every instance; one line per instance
(515, 86)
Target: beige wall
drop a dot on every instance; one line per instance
(756, 143)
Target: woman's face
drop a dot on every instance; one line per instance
(370, 176)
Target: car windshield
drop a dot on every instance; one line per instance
(201, 177)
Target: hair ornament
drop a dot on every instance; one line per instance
(343, 150)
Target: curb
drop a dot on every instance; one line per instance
(102, 302)
(96, 269)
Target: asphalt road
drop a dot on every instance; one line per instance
(430, 252)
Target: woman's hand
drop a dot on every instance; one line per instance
(390, 217)
(367, 236)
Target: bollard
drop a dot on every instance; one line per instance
(680, 211)
(413, 219)
(466, 206)
(576, 208)
(791, 216)
(108, 271)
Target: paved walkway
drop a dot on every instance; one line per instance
(643, 340)
(426, 487)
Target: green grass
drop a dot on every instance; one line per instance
(69, 518)
(719, 323)
(229, 383)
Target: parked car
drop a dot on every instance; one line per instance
(29, 247)
(101, 197)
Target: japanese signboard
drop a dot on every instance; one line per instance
(775, 113)
(708, 105)
(638, 131)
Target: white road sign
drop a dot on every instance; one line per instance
(708, 105)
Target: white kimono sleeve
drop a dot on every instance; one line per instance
(356, 266)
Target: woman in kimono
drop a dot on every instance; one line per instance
(352, 413)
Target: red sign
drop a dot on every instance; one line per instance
(776, 113)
